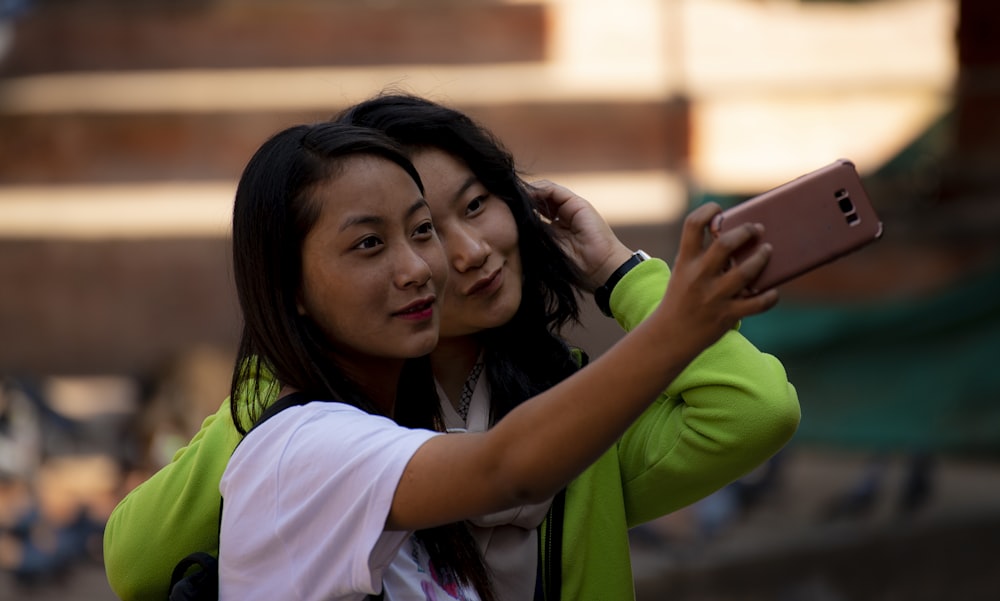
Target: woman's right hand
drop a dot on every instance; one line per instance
(707, 288)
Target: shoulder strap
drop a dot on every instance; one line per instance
(289, 400)
(202, 585)
(549, 581)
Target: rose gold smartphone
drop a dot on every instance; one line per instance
(809, 222)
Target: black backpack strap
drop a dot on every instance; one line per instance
(200, 585)
(289, 400)
(548, 583)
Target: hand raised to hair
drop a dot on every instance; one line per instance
(581, 231)
(707, 287)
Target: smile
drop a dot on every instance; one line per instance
(487, 285)
(422, 309)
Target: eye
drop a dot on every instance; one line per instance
(426, 228)
(476, 205)
(368, 243)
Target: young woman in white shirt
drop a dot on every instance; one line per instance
(339, 270)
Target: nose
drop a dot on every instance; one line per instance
(466, 249)
(413, 269)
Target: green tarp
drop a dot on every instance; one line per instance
(919, 374)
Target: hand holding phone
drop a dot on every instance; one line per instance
(809, 222)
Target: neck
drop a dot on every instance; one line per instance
(451, 361)
(378, 379)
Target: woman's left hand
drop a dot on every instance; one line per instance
(581, 231)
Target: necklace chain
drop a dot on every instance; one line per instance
(468, 388)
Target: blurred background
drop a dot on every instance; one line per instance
(124, 126)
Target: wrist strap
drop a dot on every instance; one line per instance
(602, 296)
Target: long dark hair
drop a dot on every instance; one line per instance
(273, 212)
(526, 355)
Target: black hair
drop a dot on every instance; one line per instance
(273, 212)
(527, 355)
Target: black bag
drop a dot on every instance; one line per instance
(199, 585)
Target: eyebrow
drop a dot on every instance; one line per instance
(468, 183)
(369, 219)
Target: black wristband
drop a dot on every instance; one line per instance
(602, 296)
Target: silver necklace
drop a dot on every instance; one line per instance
(468, 388)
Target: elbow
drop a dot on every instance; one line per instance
(790, 414)
(780, 419)
(785, 428)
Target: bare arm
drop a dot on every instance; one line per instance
(547, 441)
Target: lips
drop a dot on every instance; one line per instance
(484, 284)
(417, 307)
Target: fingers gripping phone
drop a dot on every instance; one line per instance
(809, 222)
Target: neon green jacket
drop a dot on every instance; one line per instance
(728, 412)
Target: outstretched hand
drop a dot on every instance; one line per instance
(708, 285)
(581, 231)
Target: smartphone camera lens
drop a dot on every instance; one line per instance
(847, 207)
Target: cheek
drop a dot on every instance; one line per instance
(505, 225)
(437, 261)
(306, 296)
(505, 236)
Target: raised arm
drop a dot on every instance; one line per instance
(730, 410)
(545, 442)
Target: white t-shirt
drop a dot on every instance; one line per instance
(306, 499)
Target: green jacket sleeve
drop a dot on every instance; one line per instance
(729, 411)
(173, 513)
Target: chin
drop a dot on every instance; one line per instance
(498, 319)
(424, 349)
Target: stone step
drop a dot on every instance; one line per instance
(112, 306)
(98, 35)
(143, 146)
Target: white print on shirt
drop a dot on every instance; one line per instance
(435, 585)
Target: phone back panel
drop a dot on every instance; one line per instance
(809, 221)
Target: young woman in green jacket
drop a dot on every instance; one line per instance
(517, 254)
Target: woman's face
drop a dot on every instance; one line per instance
(480, 241)
(372, 266)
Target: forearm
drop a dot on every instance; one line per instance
(667, 335)
(545, 442)
(583, 416)
(542, 444)
(728, 411)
